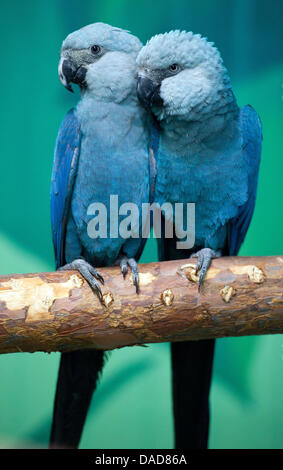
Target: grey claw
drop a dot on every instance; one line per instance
(124, 266)
(135, 273)
(94, 286)
(204, 260)
(202, 274)
(199, 262)
(88, 272)
(135, 277)
(96, 274)
(131, 262)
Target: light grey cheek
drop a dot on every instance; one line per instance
(167, 92)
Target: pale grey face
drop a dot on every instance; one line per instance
(179, 74)
(73, 64)
(150, 81)
(82, 50)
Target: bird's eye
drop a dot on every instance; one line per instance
(95, 49)
(174, 68)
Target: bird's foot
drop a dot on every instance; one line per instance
(131, 262)
(88, 272)
(204, 257)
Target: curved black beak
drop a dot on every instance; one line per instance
(148, 92)
(68, 73)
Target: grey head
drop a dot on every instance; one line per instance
(181, 74)
(98, 57)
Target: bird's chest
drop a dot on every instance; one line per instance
(113, 170)
(217, 185)
(99, 174)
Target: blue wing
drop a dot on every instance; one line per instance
(252, 139)
(66, 157)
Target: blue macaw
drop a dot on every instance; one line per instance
(102, 149)
(209, 154)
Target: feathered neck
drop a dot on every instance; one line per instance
(185, 133)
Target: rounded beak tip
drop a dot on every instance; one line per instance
(66, 72)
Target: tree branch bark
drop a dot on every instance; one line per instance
(58, 311)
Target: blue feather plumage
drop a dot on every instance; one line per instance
(222, 184)
(64, 170)
(251, 128)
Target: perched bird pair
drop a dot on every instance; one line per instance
(204, 150)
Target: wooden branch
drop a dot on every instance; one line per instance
(59, 312)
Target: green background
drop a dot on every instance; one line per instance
(132, 407)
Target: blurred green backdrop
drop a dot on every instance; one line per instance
(132, 407)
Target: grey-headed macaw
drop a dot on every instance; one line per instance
(101, 151)
(209, 154)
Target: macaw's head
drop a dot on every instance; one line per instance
(101, 59)
(181, 75)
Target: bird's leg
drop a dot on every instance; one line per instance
(131, 262)
(88, 272)
(204, 257)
